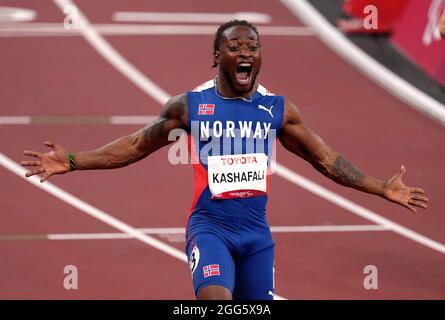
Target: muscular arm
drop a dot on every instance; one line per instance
(302, 141)
(136, 146)
(119, 153)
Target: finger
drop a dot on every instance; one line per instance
(45, 176)
(418, 203)
(419, 196)
(417, 190)
(31, 163)
(32, 153)
(28, 174)
(402, 171)
(34, 172)
(411, 208)
(49, 144)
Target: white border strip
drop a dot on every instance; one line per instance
(391, 82)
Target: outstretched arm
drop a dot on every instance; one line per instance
(302, 141)
(119, 153)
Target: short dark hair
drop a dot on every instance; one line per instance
(226, 26)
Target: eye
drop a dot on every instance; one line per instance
(253, 48)
(233, 48)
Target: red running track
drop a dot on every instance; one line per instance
(64, 76)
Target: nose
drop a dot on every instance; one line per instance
(245, 52)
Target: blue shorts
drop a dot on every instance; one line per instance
(247, 275)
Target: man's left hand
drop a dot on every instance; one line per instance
(396, 191)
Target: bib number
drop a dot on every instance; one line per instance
(237, 176)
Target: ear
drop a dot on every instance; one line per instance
(216, 58)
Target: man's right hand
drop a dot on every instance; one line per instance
(53, 162)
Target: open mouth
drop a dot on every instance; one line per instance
(243, 72)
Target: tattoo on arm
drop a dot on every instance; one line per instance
(345, 173)
(155, 130)
(155, 135)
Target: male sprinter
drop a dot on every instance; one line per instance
(229, 244)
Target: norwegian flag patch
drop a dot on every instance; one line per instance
(211, 270)
(206, 109)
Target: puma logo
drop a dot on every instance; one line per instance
(265, 109)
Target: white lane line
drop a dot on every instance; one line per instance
(191, 17)
(56, 29)
(181, 231)
(175, 30)
(348, 228)
(90, 210)
(358, 210)
(9, 14)
(115, 58)
(115, 120)
(388, 80)
(15, 120)
(140, 120)
(155, 91)
(163, 230)
(89, 236)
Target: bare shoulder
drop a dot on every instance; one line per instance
(176, 108)
(292, 114)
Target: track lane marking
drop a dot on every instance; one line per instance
(190, 17)
(114, 120)
(181, 232)
(57, 30)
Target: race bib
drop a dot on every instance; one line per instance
(237, 176)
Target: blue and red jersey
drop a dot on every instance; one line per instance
(231, 144)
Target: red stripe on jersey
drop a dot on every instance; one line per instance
(201, 175)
